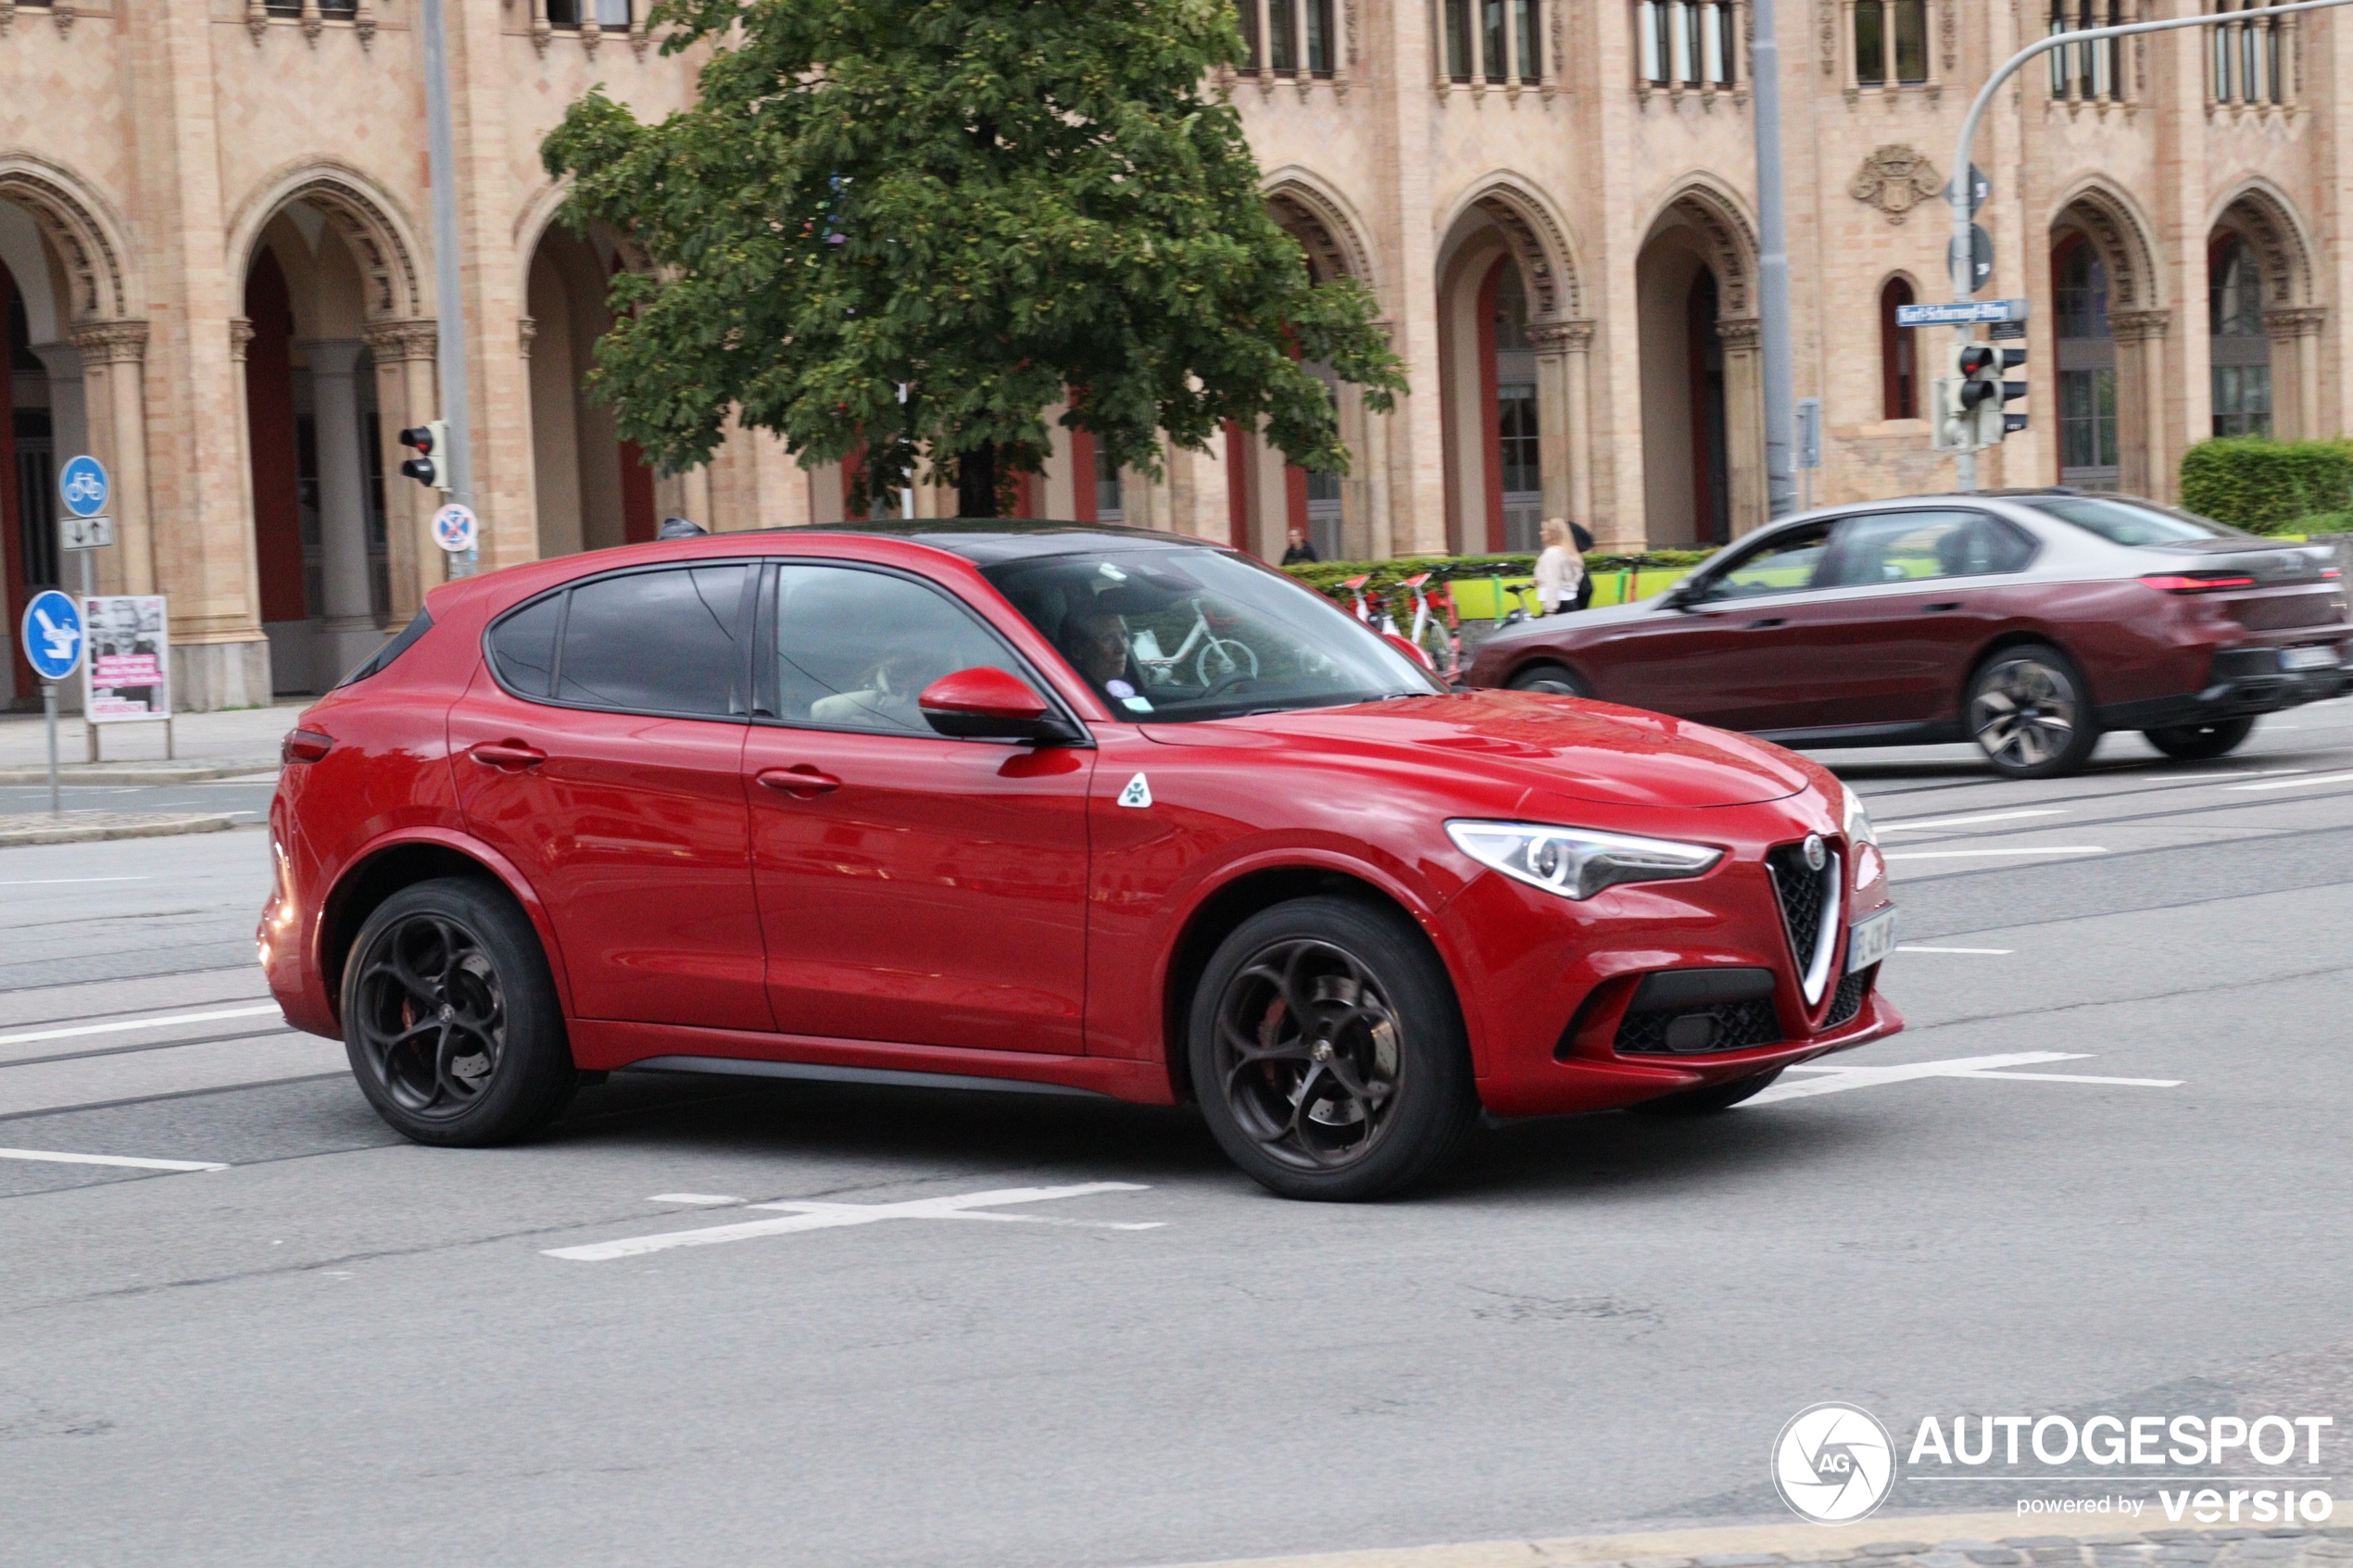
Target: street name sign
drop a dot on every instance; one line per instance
(1957, 313)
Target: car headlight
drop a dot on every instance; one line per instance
(1862, 839)
(1574, 862)
(1857, 821)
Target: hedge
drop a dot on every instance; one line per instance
(2266, 486)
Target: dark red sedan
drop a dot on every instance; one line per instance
(1003, 805)
(2029, 622)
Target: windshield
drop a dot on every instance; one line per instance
(1176, 636)
(2132, 522)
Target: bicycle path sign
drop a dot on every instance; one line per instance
(82, 484)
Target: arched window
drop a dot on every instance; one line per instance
(2088, 449)
(2241, 350)
(1898, 355)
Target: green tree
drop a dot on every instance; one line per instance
(990, 203)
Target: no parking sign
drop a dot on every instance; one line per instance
(455, 528)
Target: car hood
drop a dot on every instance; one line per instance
(1589, 751)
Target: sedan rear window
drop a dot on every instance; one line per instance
(2132, 522)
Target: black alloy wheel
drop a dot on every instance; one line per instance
(2030, 714)
(2200, 742)
(1714, 1098)
(1556, 680)
(450, 1017)
(1328, 1053)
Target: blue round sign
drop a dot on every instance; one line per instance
(52, 635)
(82, 484)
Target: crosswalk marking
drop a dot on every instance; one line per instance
(830, 1216)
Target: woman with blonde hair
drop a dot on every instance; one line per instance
(1559, 570)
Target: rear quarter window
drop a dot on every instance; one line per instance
(376, 662)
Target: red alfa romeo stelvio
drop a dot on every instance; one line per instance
(1002, 805)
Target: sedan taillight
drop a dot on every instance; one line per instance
(2197, 583)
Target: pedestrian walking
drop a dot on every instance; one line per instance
(1301, 550)
(1560, 570)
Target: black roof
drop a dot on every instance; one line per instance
(992, 541)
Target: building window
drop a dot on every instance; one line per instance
(2086, 367)
(2088, 72)
(2248, 57)
(1891, 42)
(2241, 350)
(1495, 41)
(1686, 43)
(1279, 34)
(1898, 355)
(612, 16)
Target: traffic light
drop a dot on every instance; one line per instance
(1982, 390)
(425, 468)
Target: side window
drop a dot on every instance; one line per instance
(523, 646)
(855, 648)
(1881, 547)
(657, 642)
(1786, 563)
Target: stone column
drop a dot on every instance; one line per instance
(1580, 423)
(68, 414)
(239, 343)
(2140, 415)
(1551, 341)
(114, 355)
(1743, 422)
(404, 355)
(2299, 333)
(350, 632)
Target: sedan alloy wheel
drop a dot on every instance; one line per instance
(2028, 712)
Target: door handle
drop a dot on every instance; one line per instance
(1941, 605)
(1769, 621)
(507, 756)
(800, 781)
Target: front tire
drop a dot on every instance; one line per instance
(2200, 742)
(1556, 680)
(450, 1017)
(2031, 713)
(1327, 1052)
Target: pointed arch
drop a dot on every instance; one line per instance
(83, 229)
(382, 240)
(1323, 221)
(1534, 233)
(2113, 222)
(1728, 238)
(2262, 214)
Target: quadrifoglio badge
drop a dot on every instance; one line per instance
(1834, 1464)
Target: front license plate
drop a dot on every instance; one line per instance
(2308, 659)
(1871, 941)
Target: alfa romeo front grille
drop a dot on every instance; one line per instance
(1849, 1000)
(1809, 899)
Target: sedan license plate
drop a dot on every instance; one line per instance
(1871, 941)
(2317, 658)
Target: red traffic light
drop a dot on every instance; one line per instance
(419, 437)
(1977, 358)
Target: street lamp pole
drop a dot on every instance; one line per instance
(1772, 271)
(1957, 190)
(449, 311)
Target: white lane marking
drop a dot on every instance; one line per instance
(701, 1199)
(1980, 853)
(64, 881)
(1968, 821)
(2296, 784)
(53, 1158)
(1987, 952)
(129, 1024)
(830, 1216)
(1836, 1080)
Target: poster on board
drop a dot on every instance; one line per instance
(130, 662)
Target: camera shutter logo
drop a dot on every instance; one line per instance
(1833, 1463)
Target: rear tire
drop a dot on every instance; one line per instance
(1328, 1053)
(450, 1017)
(1709, 1100)
(2030, 712)
(1556, 680)
(2200, 742)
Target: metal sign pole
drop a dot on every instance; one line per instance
(448, 303)
(49, 707)
(1964, 273)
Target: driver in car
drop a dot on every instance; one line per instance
(1096, 645)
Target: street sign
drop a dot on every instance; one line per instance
(1980, 189)
(52, 635)
(454, 528)
(1981, 247)
(82, 484)
(84, 533)
(1960, 313)
(1809, 432)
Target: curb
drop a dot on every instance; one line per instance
(84, 827)
(141, 773)
(1961, 1540)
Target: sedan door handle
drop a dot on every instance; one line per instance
(1769, 621)
(507, 756)
(1941, 605)
(800, 781)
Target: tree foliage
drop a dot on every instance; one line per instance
(989, 202)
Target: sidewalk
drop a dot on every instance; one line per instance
(205, 745)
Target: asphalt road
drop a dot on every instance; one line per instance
(344, 1348)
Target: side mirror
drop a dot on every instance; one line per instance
(986, 704)
(1686, 594)
(1419, 656)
